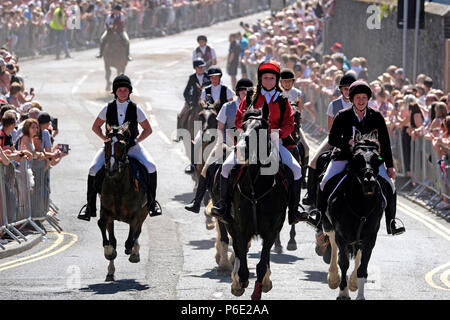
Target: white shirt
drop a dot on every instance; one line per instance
(293, 95)
(121, 112)
(215, 93)
(345, 104)
(200, 78)
(269, 94)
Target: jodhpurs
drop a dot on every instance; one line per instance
(135, 152)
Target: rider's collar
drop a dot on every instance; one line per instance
(269, 94)
(357, 115)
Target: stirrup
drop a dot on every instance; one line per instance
(314, 222)
(154, 212)
(83, 215)
(398, 231)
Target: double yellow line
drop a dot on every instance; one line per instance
(42, 254)
(441, 230)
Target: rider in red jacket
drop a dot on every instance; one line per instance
(277, 110)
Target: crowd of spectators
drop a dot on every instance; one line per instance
(293, 38)
(26, 131)
(25, 25)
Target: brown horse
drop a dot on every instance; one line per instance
(122, 198)
(114, 56)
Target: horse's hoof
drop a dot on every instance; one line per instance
(110, 278)
(128, 251)
(353, 285)
(110, 253)
(343, 298)
(134, 258)
(292, 246)
(266, 287)
(278, 249)
(244, 284)
(334, 283)
(237, 292)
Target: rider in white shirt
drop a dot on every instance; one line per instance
(117, 112)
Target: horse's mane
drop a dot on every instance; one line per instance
(366, 140)
(252, 113)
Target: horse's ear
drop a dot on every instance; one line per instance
(125, 126)
(108, 127)
(374, 134)
(357, 135)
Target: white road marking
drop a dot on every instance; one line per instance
(171, 64)
(164, 137)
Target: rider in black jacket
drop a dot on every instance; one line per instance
(364, 119)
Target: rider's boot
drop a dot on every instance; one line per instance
(91, 206)
(194, 206)
(220, 210)
(153, 207)
(390, 212)
(190, 168)
(294, 215)
(311, 186)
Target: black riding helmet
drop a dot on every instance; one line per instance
(122, 81)
(360, 86)
(202, 37)
(347, 80)
(287, 74)
(199, 62)
(243, 83)
(214, 71)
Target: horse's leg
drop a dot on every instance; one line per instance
(344, 263)
(129, 242)
(236, 287)
(353, 283)
(240, 273)
(278, 247)
(137, 227)
(110, 250)
(333, 274)
(292, 244)
(222, 248)
(263, 270)
(102, 225)
(209, 222)
(362, 270)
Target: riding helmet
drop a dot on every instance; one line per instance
(347, 80)
(360, 86)
(199, 62)
(122, 81)
(117, 7)
(269, 67)
(214, 71)
(287, 74)
(243, 84)
(202, 37)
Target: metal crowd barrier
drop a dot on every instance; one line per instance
(29, 39)
(427, 170)
(25, 198)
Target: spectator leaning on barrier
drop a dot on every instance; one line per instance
(8, 126)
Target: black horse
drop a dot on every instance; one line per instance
(123, 197)
(355, 208)
(259, 203)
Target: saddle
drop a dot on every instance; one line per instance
(139, 172)
(284, 175)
